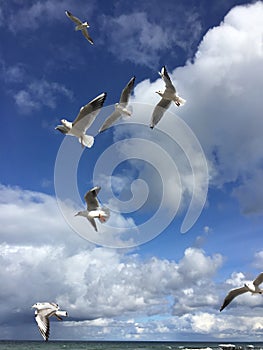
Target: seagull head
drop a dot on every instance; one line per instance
(159, 93)
(66, 123)
(86, 24)
(81, 213)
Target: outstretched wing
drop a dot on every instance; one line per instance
(42, 321)
(62, 128)
(73, 18)
(88, 113)
(258, 280)
(110, 120)
(158, 111)
(126, 92)
(91, 198)
(93, 223)
(86, 35)
(165, 76)
(231, 295)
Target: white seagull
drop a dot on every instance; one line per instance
(94, 210)
(168, 95)
(120, 107)
(83, 121)
(252, 287)
(43, 312)
(80, 26)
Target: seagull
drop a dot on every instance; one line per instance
(120, 107)
(252, 287)
(94, 210)
(168, 95)
(83, 121)
(80, 26)
(43, 312)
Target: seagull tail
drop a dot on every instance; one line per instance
(87, 141)
(181, 100)
(61, 313)
(105, 216)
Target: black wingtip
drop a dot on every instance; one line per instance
(151, 126)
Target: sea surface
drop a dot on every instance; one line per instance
(79, 345)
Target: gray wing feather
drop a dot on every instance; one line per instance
(93, 223)
(42, 321)
(165, 76)
(73, 18)
(126, 92)
(231, 295)
(86, 35)
(110, 120)
(258, 280)
(88, 113)
(91, 198)
(159, 110)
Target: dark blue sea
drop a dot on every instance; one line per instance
(79, 345)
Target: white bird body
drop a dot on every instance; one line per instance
(168, 96)
(82, 26)
(43, 312)
(83, 121)
(252, 287)
(94, 210)
(120, 107)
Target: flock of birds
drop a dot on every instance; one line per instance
(78, 128)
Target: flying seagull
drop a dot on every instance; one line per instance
(80, 26)
(120, 107)
(252, 287)
(83, 121)
(43, 312)
(94, 210)
(168, 95)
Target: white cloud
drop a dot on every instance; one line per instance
(39, 251)
(223, 92)
(38, 94)
(32, 15)
(147, 39)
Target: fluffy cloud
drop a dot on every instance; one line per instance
(38, 250)
(147, 38)
(108, 292)
(223, 93)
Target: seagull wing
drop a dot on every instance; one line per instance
(62, 128)
(93, 223)
(126, 92)
(88, 113)
(42, 320)
(258, 280)
(159, 110)
(231, 295)
(91, 198)
(86, 35)
(165, 76)
(73, 18)
(110, 120)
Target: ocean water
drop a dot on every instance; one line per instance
(80, 345)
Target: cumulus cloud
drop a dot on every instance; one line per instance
(107, 292)
(91, 282)
(223, 93)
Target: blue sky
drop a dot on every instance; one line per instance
(137, 278)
